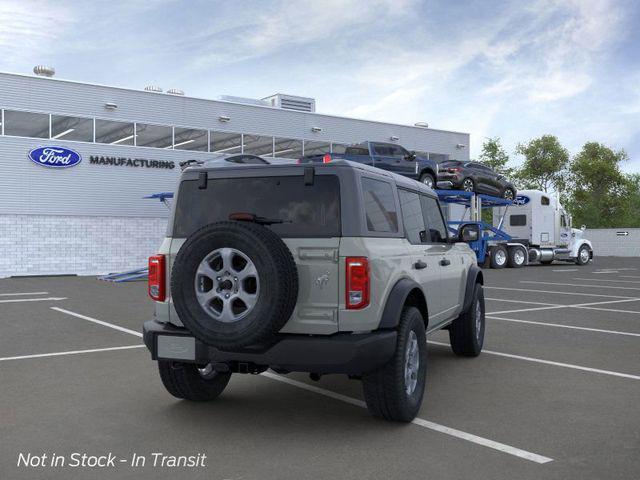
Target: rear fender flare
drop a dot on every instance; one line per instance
(405, 290)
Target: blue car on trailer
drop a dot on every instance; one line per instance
(492, 245)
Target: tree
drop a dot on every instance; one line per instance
(600, 195)
(545, 163)
(494, 156)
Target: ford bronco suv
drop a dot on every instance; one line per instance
(328, 268)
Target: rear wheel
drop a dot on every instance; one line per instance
(517, 257)
(428, 180)
(395, 391)
(499, 256)
(188, 381)
(468, 185)
(466, 333)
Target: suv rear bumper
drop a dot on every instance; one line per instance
(348, 353)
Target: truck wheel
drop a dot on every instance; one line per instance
(428, 180)
(498, 255)
(395, 391)
(186, 380)
(466, 333)
(508, 194)
(517, 257)
(234, 284)
(584, 255)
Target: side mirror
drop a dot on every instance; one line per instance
(469, 232)
(411, 156)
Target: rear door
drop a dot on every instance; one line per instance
(450, 263)
(425, 256)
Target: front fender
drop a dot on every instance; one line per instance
(473, 276)
(577, 244)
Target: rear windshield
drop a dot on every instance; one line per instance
(307, 210)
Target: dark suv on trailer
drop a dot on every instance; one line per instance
(475, 177)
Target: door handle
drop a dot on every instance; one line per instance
(444, 262)
(419, 265)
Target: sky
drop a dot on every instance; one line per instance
(509, 69)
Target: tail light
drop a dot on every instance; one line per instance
(357, 285)
(454, 170)
(326, 158)
(157, 289)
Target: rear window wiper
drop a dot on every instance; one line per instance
(252, 217)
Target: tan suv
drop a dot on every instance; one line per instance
(332, 268)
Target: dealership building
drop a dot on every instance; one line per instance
(120, 145)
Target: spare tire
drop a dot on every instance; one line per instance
(234, 284)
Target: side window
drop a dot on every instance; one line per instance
(412, 216)
(433, 220)
(397, 151)
(544, 201)
(381, 150)
(379, 205)
(517, 220)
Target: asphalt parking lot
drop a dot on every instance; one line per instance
(555, 394)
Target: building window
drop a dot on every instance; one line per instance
(115, 133)
(157, 136)
(380, 206)
(257, 145)
(316, 148)
(190, 139)
(226, 142)
(287, 148)
(71, 128)
(26, 124)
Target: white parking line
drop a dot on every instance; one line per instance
(19, 300)
(580, 285)
(605, 280)
(485, 442)
(576, 305)
(629, 276)
(566, 270)
(99, 322)
(27, 293)
(556, 292)
(549, 362)
(519, 301)
(559, 325)
(71, 352)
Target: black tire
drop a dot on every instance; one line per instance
(185, 380)
(276, 295)
(428, 179)
(515, 260)
(509, 194)
(468, 185)
(466, 333)
(579, 259)
(385, 392)
(498, 256)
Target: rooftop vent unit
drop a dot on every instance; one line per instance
(153, 88)
(43, 71)
(175, 91)
(291, 102)
(244, 100)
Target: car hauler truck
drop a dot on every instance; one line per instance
(534, 228)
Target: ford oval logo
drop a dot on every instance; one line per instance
(521, 200)
(55, 157)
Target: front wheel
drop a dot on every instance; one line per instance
(466, 333)
(584, 255)
(428, 180)
(188, 381)
(395, 391)
(508, 194)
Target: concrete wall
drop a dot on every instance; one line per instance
(611, 242)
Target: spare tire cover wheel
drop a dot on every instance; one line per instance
(234, 284)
